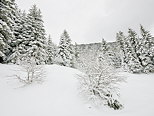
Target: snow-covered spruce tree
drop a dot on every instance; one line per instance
(113, 58)
(51, 51)
(36, 43)
(21, 36)
(103, 48)
(76, 51)
(15, 57)
(99, 83)
(106, 52)
(133, 39)
(121, 41)
(144, 50)
(130, 60)
(77, 54)
(134, 64)
(7, 23)
(66, 51)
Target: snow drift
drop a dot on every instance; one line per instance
(58, 95)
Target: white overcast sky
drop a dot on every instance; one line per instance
(89, 21)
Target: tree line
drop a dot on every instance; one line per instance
(22, 35)
(137, 52)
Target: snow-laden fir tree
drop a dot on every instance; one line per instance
(144, 50)
(109, 53)
(134, 64)
(121, 41)
(77, 54)
(65, 50)
(51, 51)
(103, 48)
(7, 23)
(76, 51)
(137, 55)
(130, 61)
(15, 56)
(36, 43)
(21, 35)
(103, 52)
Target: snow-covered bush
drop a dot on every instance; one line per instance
(30, 71)
(99, 83)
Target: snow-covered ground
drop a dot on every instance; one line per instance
(58, 95)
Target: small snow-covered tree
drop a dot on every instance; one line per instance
(102, 50)
(66, 51)
(121, 42)
(105, 51)
(31, 72)
(99, 83)
(76, 51)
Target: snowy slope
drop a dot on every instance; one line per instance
(58, 95)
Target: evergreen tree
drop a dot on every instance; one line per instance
(102, 51)
(103, 46)
(144, 50)
(19, 33)
(36, 43)
(134, 61)
(76, 51)
(133, 39)
(15, 57)
(66, 51)
(130, 61)
(120, 40)
(51, 51)
(137, 52)
(7, 23)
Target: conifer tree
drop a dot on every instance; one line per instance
(66, 50)
(36, 43)
(19, 33)
(145, 46)
(137, 52)
(102, 50)
(51, 51)
(134, 61)
(103, 46)
(7, 23)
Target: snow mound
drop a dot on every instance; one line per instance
(58, 95)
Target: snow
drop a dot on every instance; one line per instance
(58, 95)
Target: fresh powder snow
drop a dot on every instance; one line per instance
(58, 95)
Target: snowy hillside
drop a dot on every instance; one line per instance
(58, 95)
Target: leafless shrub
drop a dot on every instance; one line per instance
(99, 83)
(30, 72)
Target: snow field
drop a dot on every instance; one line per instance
(58, 95)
